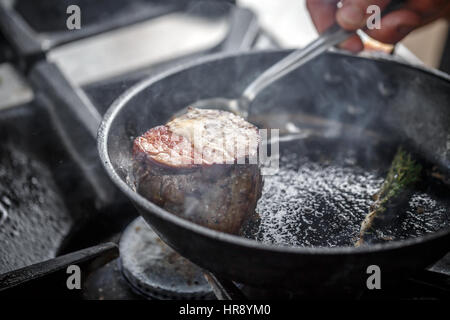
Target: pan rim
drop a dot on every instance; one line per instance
(121, 101)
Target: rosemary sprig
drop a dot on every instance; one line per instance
(402, 175)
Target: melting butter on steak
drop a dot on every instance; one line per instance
(196, 166)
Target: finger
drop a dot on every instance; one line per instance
(430, 10)
(353, 44)
(427, 8)
(395, 26)
(353, 14)
(322, 13)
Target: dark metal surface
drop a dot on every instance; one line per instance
(108, 283)
(86, 259)
(76, 120)
(44, 199)
(5, 50)
(52, 185)
(224, 289)
(32, 28)
(242, 33)
(375, 94)
(36, 175)
(155, 270)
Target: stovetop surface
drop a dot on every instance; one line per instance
(55, 200)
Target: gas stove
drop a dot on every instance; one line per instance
(57, 207)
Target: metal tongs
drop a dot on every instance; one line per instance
(241, 106)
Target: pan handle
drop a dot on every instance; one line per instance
(27, 281)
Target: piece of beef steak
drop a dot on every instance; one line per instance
(201, 166)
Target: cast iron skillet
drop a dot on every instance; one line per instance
(379, 95)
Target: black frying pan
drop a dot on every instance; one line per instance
(384, 100)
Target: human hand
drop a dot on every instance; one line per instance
(394, 26)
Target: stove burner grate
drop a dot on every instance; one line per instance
(156, 271)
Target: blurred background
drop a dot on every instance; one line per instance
(118, 37)
(290, 22)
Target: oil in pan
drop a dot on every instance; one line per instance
(324, 189)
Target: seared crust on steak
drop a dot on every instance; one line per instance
(209, 188)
